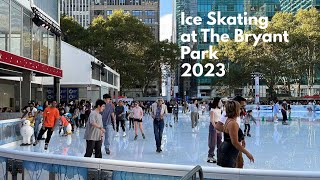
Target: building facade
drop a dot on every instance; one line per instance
(79, 10)
(202, 8)
(295, 5)
(90, 79)
(148, 11)
(29, 48)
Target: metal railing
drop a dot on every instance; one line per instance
(193, 174)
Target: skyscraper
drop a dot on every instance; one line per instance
(146, 10)
(227, 8)
(295, 5)
(79, 10)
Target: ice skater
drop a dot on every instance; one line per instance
(50, 118)
(247, 120)
(159, 110)
(194, 115)
(284, 108)
(175, 112)
(137, 118)
(170, 106)
(120, 118)
(95, 131)
(108, 119)
(276, 111)
(214, 138)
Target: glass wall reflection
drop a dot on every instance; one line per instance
(4, 25)
(20, 36)
(16, 29)
(27, 34)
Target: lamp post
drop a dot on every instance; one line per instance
(256, 76)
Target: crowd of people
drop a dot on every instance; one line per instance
(104, 117)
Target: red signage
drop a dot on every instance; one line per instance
(25, 63)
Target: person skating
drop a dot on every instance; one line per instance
(50, 118)
(170, 106)
(220, 127)
(284, 108)
(228, 152)
(131, 118)
(137, 117)
(176, 112)
(158, 111)
(214, 138)
(276, 110)
(108, 120)
(95, 131)
(247, 120)
(194, 115)
(120, 118)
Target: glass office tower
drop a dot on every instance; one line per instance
(227, 8)
(295, 5)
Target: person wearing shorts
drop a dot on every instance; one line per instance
(137, 118)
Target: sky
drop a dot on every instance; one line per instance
(165, 19)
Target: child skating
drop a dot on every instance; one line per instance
(247, 120)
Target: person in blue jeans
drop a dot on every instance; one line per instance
(159, 110)
(108, 120)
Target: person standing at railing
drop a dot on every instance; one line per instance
(51, 116)
(230, 149)
(95, 131)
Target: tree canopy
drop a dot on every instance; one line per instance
(125, 44)
(280, 63)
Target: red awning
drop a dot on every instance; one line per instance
(310, 97)
(28, 64)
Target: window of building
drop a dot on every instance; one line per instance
(110, 77)
(98, 12)
(122, 2)
(108, 12)
(137, 13)
(44, 46)
(149, 21)
(27, 35)
(4, 25)
(36, 43)
(126, 11)
(51, 49)
(16, 29)
(137, 2)
(150, 13)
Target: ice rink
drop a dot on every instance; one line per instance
(274, 146)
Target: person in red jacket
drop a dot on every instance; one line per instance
(50, 118)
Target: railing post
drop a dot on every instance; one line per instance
(93, 174)
(15, 167)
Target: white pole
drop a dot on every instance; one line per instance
(257, 90)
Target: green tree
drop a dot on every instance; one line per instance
(72, 32)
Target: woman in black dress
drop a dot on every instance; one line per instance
(229, 149)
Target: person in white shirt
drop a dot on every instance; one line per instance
(158, 111)
(215, 136)
(137, 118)
(31, 109)
(194, 115)
(203, 107)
